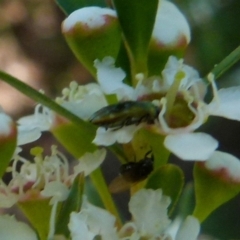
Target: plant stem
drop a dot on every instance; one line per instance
(100, 184)
(39, 97)
(226, 63)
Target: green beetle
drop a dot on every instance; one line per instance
(124, 114)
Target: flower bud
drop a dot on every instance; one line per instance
(92, 33)
(171, 35)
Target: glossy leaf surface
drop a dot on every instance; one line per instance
(170, 179)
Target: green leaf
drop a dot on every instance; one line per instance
(38, 214)
(211, 191)
(7, 148)
(69, 6)
(137, 19)
(76, 139)
(170, 179)
(72, 204)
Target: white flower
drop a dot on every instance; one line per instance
(92, 221)
(12, 229)
(150, 220)
(181, 105)
(47, 175)
(82, 101)
(149, 211)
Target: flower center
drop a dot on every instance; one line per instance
(180, 115)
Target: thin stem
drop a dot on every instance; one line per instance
(39, 97)
(226, 63)
(100, 184)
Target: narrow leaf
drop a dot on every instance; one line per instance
(72, 204)
(137, 19)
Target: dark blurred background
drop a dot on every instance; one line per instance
(33, 49)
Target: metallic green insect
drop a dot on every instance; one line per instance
(124, 114)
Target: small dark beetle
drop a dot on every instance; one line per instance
(124, 114)
(131, 173)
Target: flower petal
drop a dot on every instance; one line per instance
(226, 104)
(226, 164)
(173, 66)
(28, 134)
(189, 229)
(79, 228)
(12, 229)
(57, 190)
(90, 161)
(111, 78)
(108, 137)
(84, 100)
(43, 118)
(30, 127)
(191, 146)
(93, 221)
(6, 124)
(149, 210)
(7, 199)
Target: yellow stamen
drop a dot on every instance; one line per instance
(172, 92)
